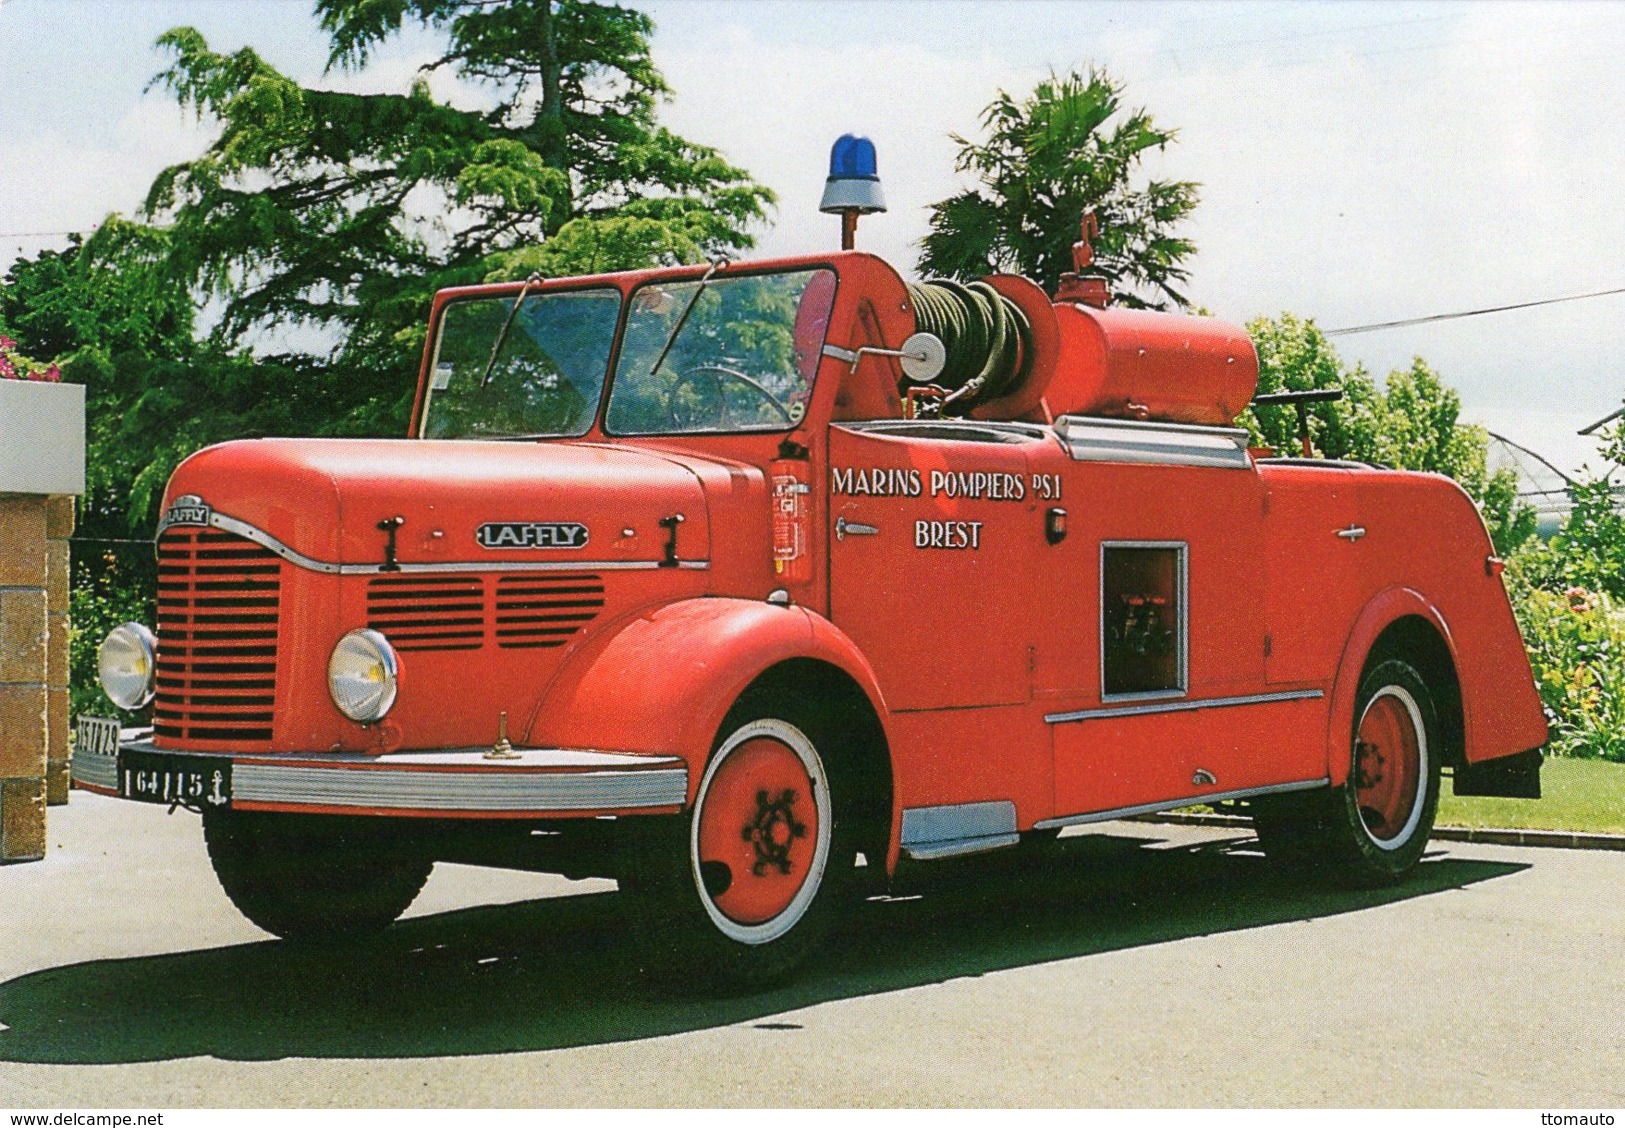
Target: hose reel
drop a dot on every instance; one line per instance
(986, 336)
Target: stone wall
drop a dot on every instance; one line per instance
(34, 719)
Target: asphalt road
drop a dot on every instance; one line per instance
(1136, 965)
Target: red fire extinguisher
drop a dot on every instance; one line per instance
(792, 521)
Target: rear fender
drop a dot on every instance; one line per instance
(664, 681)
(1387, 608)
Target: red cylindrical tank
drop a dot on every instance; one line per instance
(1141, 364)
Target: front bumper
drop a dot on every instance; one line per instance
(447, 783)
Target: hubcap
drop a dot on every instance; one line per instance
(1390, 763)
(760, 835)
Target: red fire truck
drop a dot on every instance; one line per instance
(740, 583)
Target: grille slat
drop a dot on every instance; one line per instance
(428, 612)
(219, 599)
(452, 612)
(536, 612)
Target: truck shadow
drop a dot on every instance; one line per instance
(559, 972)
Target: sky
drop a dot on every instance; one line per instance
(1359, 162)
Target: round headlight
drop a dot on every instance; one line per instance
(363, 675)
(125, 662)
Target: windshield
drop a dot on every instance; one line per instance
(536, 371)
(727, 354)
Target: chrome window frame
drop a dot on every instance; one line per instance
(1184, 598)
(439, 329)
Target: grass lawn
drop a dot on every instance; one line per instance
(1576, 795)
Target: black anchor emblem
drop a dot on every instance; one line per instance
(772, 831)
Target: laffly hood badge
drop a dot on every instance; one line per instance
(531, 534)
(187, 510)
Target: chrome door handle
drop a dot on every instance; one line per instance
(845, 528)
(1352, 533)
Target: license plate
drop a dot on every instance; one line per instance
(160, 777)
(96, 736)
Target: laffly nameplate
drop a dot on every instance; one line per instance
(157, 777)
(531, 534)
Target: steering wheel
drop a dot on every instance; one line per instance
(714, 373)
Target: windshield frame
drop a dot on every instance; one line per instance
(696, 276)
(594, 284)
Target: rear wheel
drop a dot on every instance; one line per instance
(741, 891)
(314, 877)
(1371, 830)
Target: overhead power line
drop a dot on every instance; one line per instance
(1466, 313)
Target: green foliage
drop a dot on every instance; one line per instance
(1294, 355)
(103, 597)
(111, 292)
(1588, 552)
(1569, 595)
(1048, 159)
(1412, 422)
(598, 246)
(1576, 642)
(325, 221)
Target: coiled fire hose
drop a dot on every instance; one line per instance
(987, 337)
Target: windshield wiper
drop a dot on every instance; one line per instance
(705, 280)
(502, 334)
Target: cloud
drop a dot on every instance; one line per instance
(74, 186)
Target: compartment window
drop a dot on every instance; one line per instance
(1142, 619)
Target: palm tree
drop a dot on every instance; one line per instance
(1049, 158)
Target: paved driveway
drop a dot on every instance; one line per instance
(1135, 965)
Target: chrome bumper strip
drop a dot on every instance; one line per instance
(458, 791)
(94, 770)
(537, 781)
(1182, 801)
(1183, 705)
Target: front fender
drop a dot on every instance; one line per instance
(1387, 608)
(666, 678)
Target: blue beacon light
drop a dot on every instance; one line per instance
(853, 187)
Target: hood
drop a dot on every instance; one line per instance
(484, 503)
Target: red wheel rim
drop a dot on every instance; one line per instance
(758, 831)
(1388, 765)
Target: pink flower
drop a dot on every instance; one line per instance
(7, 343)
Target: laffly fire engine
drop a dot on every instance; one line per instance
(740, 583)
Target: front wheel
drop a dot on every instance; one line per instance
(741, 891)
(314, 877)
(1371, 830)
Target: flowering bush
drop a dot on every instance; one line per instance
(15, 366)
(1576, 645)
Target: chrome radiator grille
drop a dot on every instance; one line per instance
(218, 598)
